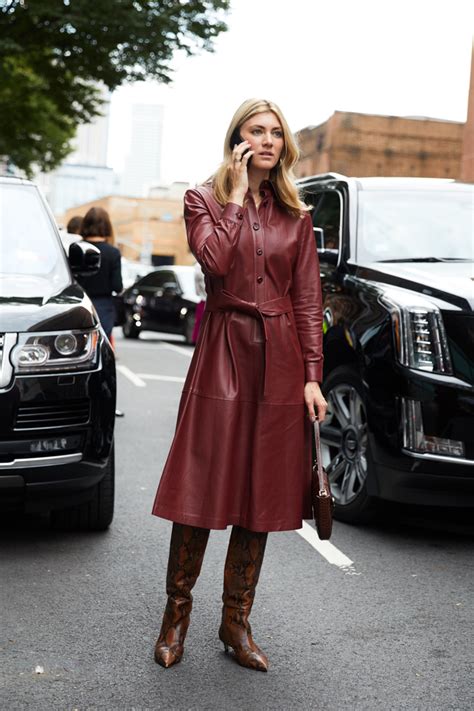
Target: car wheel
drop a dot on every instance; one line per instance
(129, 328)
(93, 515)
(188, 327)
(345, 446)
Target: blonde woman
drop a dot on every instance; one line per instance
(241, 454)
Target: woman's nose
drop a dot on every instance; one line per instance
(268, 139)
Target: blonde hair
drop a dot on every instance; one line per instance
(281, 176)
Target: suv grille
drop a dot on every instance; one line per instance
(36, 416)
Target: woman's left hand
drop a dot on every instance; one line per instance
(315, 401)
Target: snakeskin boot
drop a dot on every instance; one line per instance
(242, 570)
(187, 548)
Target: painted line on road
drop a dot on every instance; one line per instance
(131, 376)
(179, 349)
(154, 376)
(327, 549)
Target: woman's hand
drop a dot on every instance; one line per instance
(238, 172)
(314, 398)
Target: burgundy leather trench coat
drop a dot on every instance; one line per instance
(241, 453)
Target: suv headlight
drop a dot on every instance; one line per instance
(419, 332)
(55, 351)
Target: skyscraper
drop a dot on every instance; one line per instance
(143, 164)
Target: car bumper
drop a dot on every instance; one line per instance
(414, 477)
(47, 488)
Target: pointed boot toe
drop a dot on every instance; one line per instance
(166, 656)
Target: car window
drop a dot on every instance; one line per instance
(155, 279)
(326, 213)
(28, 242)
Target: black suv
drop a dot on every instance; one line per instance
(397, 275)
(57, 371)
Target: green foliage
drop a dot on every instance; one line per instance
(54, 53)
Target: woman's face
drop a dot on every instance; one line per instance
(265, 135)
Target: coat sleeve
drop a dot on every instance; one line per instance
(116, 272)
(213, 244)
(307, 302)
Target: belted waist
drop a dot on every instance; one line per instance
(226, 301)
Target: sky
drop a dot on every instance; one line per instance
(311, 57)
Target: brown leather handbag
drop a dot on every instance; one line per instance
(323, 501)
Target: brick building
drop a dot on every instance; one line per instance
(144, 227)
(365, 144)
(467, 163)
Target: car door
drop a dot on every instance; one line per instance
(169, 302)
(150, 293)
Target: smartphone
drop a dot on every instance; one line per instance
(235, 140)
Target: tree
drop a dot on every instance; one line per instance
(55, 53)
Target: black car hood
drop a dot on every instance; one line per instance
(450, 281)
(31, 304)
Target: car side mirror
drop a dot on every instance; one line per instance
(84, 259)
(330, 256)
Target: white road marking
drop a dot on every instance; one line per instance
(131, 376)
(325, 548)
(153, 376)
(180, 349)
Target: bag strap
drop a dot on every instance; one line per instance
(322, 485)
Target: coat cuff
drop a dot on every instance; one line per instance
(233, 212)
(314, 371)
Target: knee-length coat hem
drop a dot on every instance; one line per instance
(231, 520)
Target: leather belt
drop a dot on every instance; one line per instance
(226, 301)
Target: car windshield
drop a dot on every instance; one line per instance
(29, 246)
(419, 225)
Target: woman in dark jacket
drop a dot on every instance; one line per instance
(97, 229)
(241, 454)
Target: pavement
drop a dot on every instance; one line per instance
(379, 619)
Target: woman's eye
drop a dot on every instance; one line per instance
(278, 134)
(256, 131)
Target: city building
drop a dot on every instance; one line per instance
(365, 144)
(143, 163)
(467, 162)
(84, 175)
(150, 230)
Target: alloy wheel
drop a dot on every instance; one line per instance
(344, 443)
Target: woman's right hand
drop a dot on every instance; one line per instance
(238, 172)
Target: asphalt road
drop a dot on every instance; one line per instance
(387, 624)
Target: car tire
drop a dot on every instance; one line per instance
(129, 328)
(345, 447)
(93, 515)
(188, 327)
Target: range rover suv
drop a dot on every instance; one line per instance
(57, 371)
(397, 276)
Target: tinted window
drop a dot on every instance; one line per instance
(155, 279)
(327, 215)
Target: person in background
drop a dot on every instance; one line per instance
(97, 229)
(200, 286)
(74, 225)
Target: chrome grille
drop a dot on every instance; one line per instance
(37, 416)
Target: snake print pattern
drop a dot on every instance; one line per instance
(242, 569)
(187, 548)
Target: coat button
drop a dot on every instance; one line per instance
(259, 279)
(240, 216)
(259, 252)
(256, 226)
